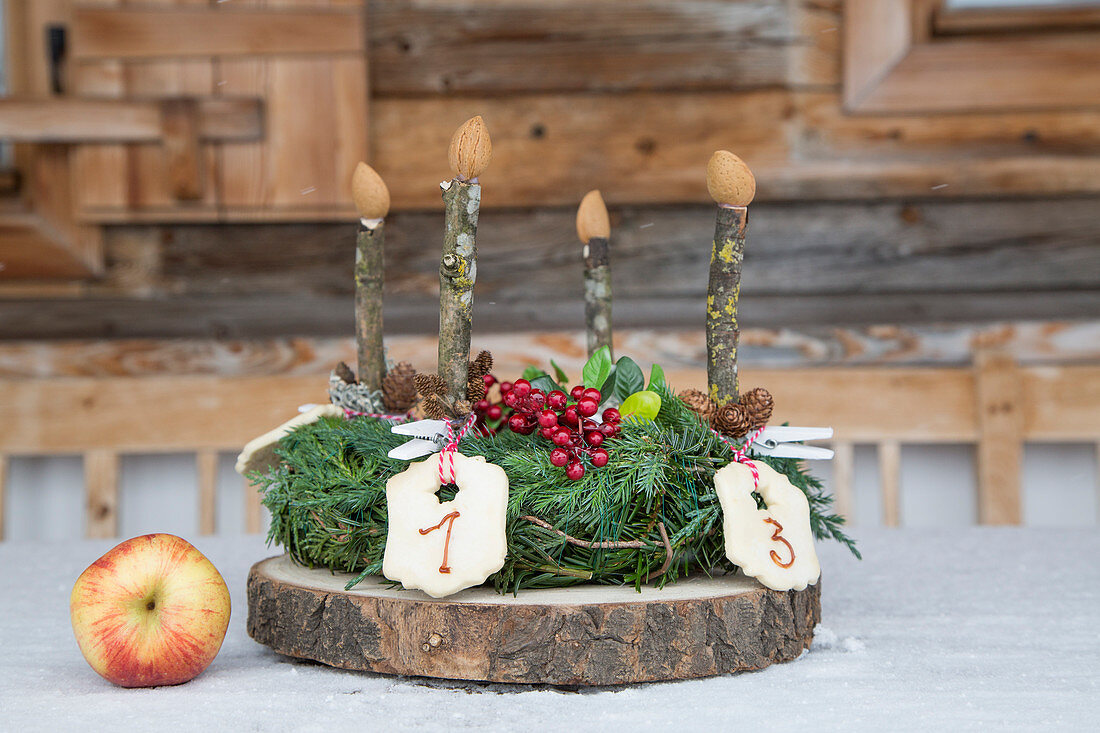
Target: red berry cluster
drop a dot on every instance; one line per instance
(488, 414)
(570, 427)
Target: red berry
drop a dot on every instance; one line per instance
(548, 418)
(510, 399)
(575, 471)
(505, 387)
(521, 388)
(548, 433)
(611, 415)
(577, 392)
(490, 380)
(590, 424)
(517, 423)
(557, 400)
(481, 406)
(587, 407)
(571, 417)
(559, 457)
(594, 438)
(494, 412)
(562, 437)
(599, 457)
(593, 394)
(538, 397)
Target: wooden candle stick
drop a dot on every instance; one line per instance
(469, 155)
(594, 230)
(372, 199)
(732, 186)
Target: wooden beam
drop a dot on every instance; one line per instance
(182, 146)
(101, 491)
(180, 32)
(29, 250)
(1000, 443)
(889, 476)
(206, 465)
(842, 484)
(455, 46)
(135, 121)
(3, 493)
(1042, 343)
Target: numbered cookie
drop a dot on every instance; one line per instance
(773, 545)
(443, 547)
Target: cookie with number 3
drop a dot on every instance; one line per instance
(773, 545)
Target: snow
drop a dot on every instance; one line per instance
(954, 629)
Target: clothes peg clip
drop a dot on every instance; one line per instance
(428, 436)
(782, 442)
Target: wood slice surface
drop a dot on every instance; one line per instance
(584, 635)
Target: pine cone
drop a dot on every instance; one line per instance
(758, 404)
(344, 372)
(398, 389)
(698, 402)
(478, 368)
(731, 419)
(434, 408)
(429, 384)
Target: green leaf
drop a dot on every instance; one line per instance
(532, 372)
(657, 377)
(559, 373)
(545, 383)
(624, 381)
(645, 405)
(597, 368)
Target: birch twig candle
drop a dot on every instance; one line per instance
(469, 155)
(594, 231)
(372, 199)
(732, 186)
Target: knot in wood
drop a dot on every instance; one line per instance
(450, 265)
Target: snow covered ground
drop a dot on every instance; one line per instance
(956, 629)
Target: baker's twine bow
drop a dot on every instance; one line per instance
(739, 451)
(447, 454)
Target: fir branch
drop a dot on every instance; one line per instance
(650, 515)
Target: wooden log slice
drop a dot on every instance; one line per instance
(584, 635)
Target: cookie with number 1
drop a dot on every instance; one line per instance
(443, 547)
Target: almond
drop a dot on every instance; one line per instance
(369, 192)
(729, 180)
(592, 220)
(471, 149)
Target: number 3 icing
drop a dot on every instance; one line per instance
(773, 545)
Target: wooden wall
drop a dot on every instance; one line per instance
(971, 218)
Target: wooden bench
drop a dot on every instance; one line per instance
(995, 405)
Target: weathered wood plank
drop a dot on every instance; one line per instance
(160, 32)
(804, 248)
(110, 120)
(206, 465)
(1061, 406)
(1026, 342)
(242, 316)
(101, 492)
(889, 476)
(525, 46)
(998, 403)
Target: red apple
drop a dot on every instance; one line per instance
(152, 611)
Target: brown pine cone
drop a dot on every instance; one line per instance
(478, 368)
(731, 419)
(758, 404)
(698, 401)
(344, 372)
(434, 408)
(429, 384)
(482, 363)
(398, 388)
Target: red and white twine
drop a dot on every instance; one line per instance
(739, 451)
(447, 455)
